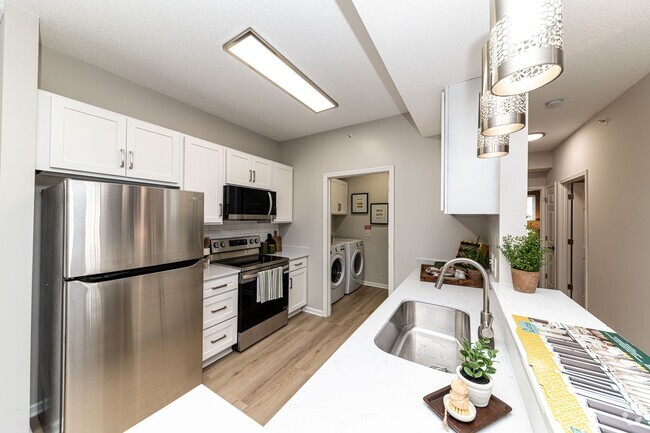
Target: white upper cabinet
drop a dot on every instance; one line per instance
(83, 137)
(470, 185)
(247, 170)
(338, 197)
(154, 152)
(283, 183)
(204, 171)
(79, 138)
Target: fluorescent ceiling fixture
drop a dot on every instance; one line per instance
(259, 55)
(533, 136)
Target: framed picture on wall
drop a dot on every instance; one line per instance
(379, 213)
(359, 202)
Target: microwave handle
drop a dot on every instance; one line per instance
(270, 203)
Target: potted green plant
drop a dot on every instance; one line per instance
(526, 257)
(481, 258)
(476, 370)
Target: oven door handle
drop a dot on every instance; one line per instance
(253, 275)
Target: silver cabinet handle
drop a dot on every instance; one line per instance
(218, 339)
(121, 158)
(132, 158)
(290, 283)
(219, 309)
(220, 209)
(254, 175)
(220, 287)
(339, 207)
(250, 175)
(298, 264)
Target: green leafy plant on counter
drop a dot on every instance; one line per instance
(478, 361)
(478, 256)
(524, 253)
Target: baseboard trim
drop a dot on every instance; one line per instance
(313, 311)
(377, 285)
(33, 409)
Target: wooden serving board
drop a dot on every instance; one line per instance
(425, 276)
(485, 416)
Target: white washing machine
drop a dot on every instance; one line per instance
(355, 263)
(338, 265)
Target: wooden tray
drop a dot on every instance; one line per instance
(424, 276)
(484, 415)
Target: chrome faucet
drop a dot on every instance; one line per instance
(485, 328)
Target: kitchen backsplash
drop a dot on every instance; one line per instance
(239, 228)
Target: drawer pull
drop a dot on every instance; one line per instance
(218, 339)
(220, 287)
(219, 309)
(298, 264)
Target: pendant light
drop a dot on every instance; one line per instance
(492, 147)
(526, 45)
(499, 115)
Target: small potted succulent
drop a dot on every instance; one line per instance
(526, 257)
(476, 370)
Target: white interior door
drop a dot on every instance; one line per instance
(549, 237)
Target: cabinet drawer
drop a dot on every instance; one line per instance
(297, 264)
(219, 285)
(219, 338)
(218, 308)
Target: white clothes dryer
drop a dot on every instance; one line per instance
(338, 265)
(355, 263)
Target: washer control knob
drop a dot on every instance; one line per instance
(223, 244)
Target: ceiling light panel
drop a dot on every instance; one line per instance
(259, 55)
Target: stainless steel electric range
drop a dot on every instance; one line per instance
(255, 320)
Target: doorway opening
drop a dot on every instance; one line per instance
(573, 236)
(348, 214)
(536, 218)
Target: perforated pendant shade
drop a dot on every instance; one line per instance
(499, 115)
(526, 45)
(492, 147)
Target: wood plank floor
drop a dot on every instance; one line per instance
(260, 380)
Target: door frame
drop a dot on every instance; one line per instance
(542, 224)
(562, 231)
(327, 226)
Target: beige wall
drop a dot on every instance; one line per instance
(421, 230)
(18, 77)
(68, 76)
(616, 156)
(351, 226)
(536, 180)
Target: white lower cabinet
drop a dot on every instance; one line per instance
(219, 317)
(297, 285)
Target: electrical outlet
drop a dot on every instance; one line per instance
(494, 266)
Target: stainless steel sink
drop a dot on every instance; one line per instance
(426, 334)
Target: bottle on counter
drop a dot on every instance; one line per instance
(271, 244)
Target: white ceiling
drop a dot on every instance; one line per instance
(376, 59)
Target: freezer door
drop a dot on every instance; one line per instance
(114, 227)
(133, 346)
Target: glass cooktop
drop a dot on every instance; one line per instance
(252, 261)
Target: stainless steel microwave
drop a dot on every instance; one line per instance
(241, 203)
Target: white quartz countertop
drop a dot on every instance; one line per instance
(293, 252)
(217, 271)
(198, 411)
(363, 389)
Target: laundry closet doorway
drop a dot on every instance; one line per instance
(347, 218)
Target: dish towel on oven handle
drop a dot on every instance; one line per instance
(269, 285)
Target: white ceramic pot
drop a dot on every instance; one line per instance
(479, 394)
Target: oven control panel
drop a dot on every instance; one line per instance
(234, 244)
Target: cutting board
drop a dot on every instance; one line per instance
(425, 276)
(278, 241)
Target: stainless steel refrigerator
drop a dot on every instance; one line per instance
(120, 331)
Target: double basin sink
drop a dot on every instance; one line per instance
(426, 334)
